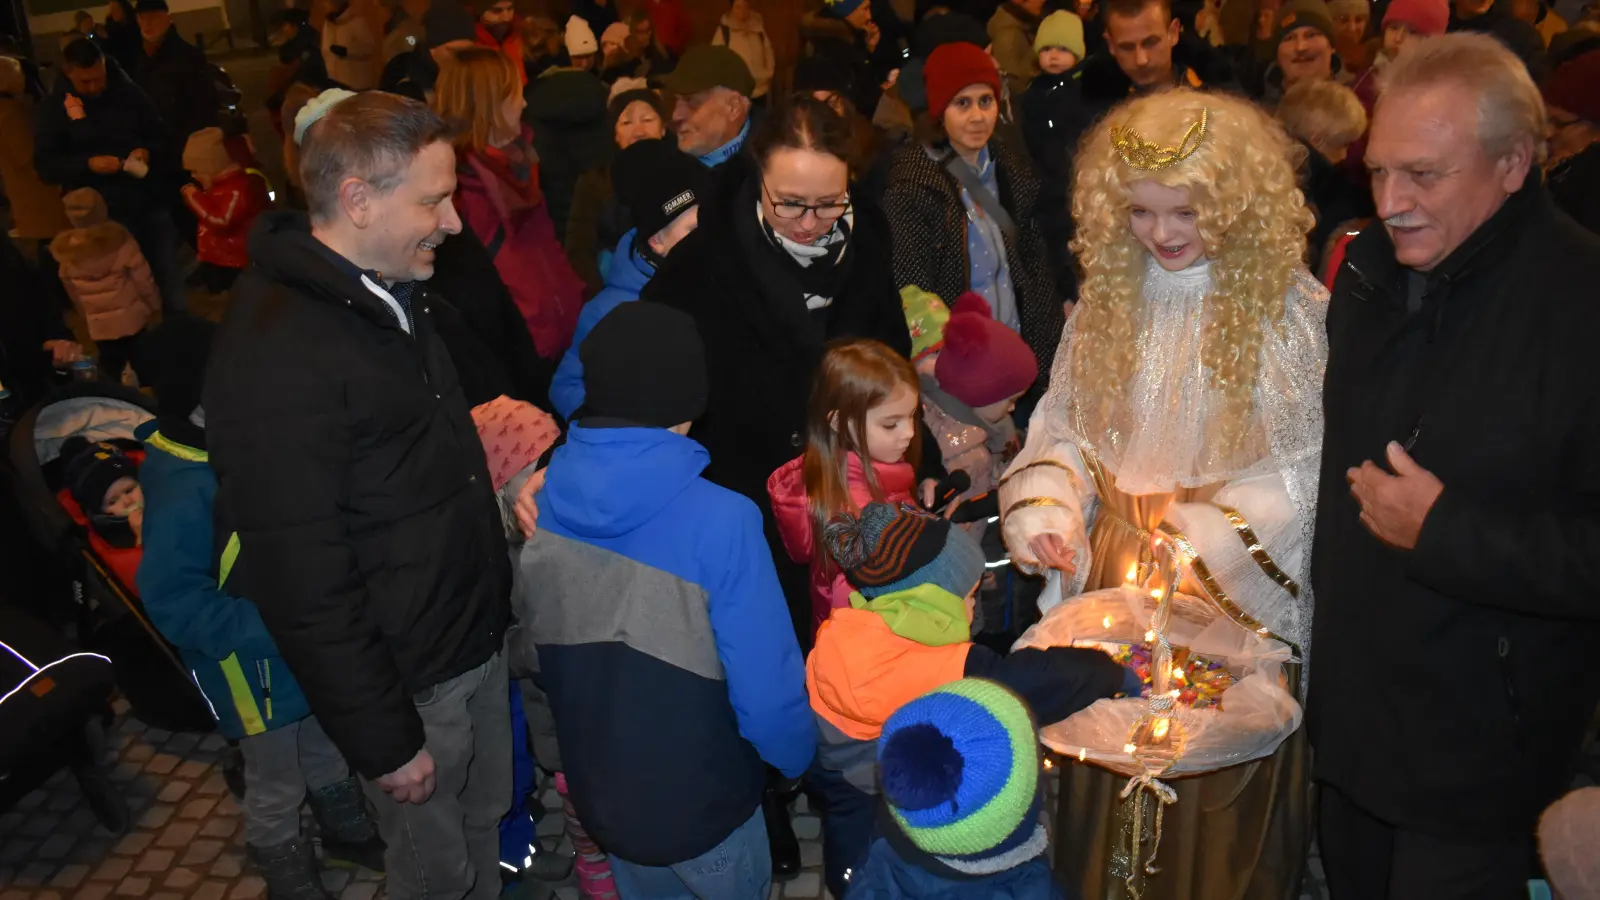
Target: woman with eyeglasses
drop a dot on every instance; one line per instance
(964, 206)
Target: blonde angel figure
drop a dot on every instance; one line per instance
(1186, 397)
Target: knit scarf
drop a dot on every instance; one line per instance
(516, 172)
(799, 282)
(726, 152)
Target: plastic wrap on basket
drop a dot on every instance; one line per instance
(1256, 713)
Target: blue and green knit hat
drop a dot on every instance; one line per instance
(960, 772)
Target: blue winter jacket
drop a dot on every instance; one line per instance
(625, 278)
(895, 870)
(181, 577)
(663, 642)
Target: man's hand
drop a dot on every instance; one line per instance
(1393, 507)
(63, 353)
(1052, 553)
(412, 782)
(105, 165)
(527, 510)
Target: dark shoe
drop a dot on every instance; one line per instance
(232, 764)
(549, 865)
(289, 871)
(349, 834)
(780, 836)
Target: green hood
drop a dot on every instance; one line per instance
(927, 614)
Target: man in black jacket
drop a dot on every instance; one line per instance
(349, 467)
(1459, 510)
(175, 74)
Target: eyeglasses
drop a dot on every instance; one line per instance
(825, 212)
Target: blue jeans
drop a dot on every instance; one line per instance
(739, 868)
(848, 824)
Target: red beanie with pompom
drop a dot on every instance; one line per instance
(983, 361)
(953, 68)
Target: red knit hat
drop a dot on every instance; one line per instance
(1575, 87)
(952, 68)
(1429, 17)
(983, 361)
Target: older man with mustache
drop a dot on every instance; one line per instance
(1459, 508)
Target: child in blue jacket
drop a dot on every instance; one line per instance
(661, 633)
(189, 556)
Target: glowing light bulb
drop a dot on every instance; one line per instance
(1149, 636)
(1128, 749)
(1177, 673)
(1048, 764)
(1133, 573)
(1159, 730)
(1083, 753)
(1106, 622)
(1155, 593)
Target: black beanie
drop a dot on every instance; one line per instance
(89, 471)
(655, 181)
(622, 101)
(824, 73)
(644, 362)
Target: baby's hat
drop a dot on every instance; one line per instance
(89, 471)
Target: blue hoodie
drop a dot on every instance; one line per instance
(625, 278)
(663, 642)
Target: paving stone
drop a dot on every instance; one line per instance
(57, 846)
(801, 805)
(154, 861)
(806, 885)
(249, 888)
(15, 852)
(66, 800)
(213, 785)
(112, 870)
(93, 891)
(810, 854)
(15, 895)
(181, 879)
(143, 787)
(775, 893)
(567, 892)
(162, 764)
(197, 809)
(166, 895)
(178, 834)
(10, 822)
(227, 866)
(228, 806)
(211, 890)
(41, 824)
(360, 891)
(47, 895)
(213, 742)
(157, 736)
(201, 852)
(551, 799)
(807, 828)
(550, 826)
(92, 850)
(181, 744)
(81, 822)
(35, 874)
(134, 844)
(70, 876)
(133, 886)
(139, 752)
(219, 828)
(173, 791)
(334, 880)
(191, 768)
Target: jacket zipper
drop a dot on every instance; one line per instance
(264, 675)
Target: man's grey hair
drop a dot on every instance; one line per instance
(372, 136)
(1510, 109)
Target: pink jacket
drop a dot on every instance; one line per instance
(792, 510)
(107, 278)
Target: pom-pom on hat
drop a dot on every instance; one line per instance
(983, 361)
(926, 316)
(960, 772)
(951, 69)
(580, 38)
(1061, 29)
(890, 548)
(1427, 17)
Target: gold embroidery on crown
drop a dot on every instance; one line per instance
(1147, 155)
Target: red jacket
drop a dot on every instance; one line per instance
(511, 46)
(792, 510)
(226, 212)
(671, 24)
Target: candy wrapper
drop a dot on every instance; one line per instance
(1233, 703)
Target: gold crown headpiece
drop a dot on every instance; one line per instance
(1149, 156)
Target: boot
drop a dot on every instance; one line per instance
(780, 834)
(289, 871)
(349, 834)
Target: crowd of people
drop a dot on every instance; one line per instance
(723, 417)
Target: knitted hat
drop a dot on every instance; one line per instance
(925, 316)
(1427, 17)
(645, 363)
(514, 433)
(90, 470)
(960, 773)
(824, 73)
(446, 22)
(1060, 29)
(626, 85)
(144, 6)
(621, 100)
(1349, 7)
(707, 66)
(840, 9)
(983, 361)
(1575, 87)
(891, 548)
(580, 38)
(85, 207)
(953, 68)
(655, 182)
(205, 154)
(1303, 13)
(1568, 833)
(615, 34)
(316, 108)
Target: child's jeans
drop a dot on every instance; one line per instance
(848, 824)
(279, 767)
(739, 868)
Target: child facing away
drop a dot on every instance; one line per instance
(190, 561)
(907, 631)
(225, 199)
(104, 482)
(107, 278)
(662, 636)
(862, 445)
(961, 792)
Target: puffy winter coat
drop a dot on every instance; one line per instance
(357, 69)
(107, 278)
(896, 870)
(792, 509)
(226, 212)
(628, 275)
(571, 131)
(749, 40)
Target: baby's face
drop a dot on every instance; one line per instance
(124, 497)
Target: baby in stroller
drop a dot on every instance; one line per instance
(104, 481)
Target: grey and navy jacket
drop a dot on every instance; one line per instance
(663, 642)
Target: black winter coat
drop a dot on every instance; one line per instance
(929, 225)
(348, 463)
(181, 85)
(571, 132)
(1451, 684)
(115, 123)
(1575, 185)
(1054, 119)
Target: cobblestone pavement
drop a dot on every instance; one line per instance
(187, 840)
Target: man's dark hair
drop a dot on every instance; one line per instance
(1128, 9)
(372, 136)
(81, 53)
(803, 123)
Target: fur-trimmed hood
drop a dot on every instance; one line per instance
(86, 246)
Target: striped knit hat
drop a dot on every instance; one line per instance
(960, 771)
(892, 548)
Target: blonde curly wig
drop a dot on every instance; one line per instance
(1251, 216)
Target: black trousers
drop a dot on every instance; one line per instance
(114, 354)
(1366, 859)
